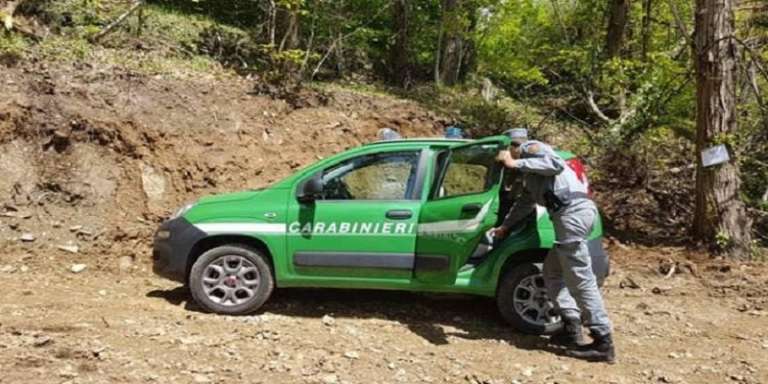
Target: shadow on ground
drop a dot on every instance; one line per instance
(433, 317)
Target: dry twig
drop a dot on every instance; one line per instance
(136, 5)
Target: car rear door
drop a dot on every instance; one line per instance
(461, 207)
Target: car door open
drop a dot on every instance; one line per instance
(462, 206)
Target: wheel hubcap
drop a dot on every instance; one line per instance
(231, 280)
(532, 303)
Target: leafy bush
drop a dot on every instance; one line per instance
(483, 118)
(229, 46)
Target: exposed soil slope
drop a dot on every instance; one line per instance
(94, 158)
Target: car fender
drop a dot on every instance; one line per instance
(265, 236)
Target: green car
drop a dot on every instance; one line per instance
(403, 214)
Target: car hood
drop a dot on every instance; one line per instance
(230, 197)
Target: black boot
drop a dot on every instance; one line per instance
(570, 335)
(601, 349)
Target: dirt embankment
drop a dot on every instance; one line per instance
(94, 158)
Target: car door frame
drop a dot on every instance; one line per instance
(436, 268)
(415, 200)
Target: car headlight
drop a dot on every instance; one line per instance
(182, 211)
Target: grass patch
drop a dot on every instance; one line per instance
(64, 48)
(359, 88)
(154, 64)
(13, 48)
(165, 42)
(175, 26)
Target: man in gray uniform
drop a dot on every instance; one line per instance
(549, 182)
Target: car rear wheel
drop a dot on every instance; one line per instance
(523, 302)
(231, 279)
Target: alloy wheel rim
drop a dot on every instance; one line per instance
(231, 280)
(531, 302)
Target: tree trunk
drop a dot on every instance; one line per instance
(720, 215)
(450, 64)
(400, 54)
(469, 55)
(340, 62)
(452, 41)
(617, 26)
(289, 24)
(439, 54)
(646, 32)
(272, 30)
(457, 49)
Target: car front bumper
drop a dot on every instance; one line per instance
(173, 243)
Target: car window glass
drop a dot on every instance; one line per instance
(470, 170)
(382, 176)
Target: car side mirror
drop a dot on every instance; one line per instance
(311, 189)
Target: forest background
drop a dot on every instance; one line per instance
(618, 81)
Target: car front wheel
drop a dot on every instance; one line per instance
(522, 300)
(231, 280)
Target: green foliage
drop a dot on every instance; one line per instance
(64, 49)
(68, 14)
(235, 13)
(485, 118)
(505, 40)
(12, 48)
(548, 59)
(723, 241)
(90, 11)
(177, 27)
(232, 47)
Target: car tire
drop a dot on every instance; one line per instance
(231, 280)
(521, 298)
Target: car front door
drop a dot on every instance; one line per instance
(461, 207)
(363, 226)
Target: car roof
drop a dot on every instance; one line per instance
(439, 141)
(419, 142)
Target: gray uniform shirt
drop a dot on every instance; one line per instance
(543, 170)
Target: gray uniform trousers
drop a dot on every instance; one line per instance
(568, 275)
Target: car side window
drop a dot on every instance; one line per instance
(470, 170)
(380, 176)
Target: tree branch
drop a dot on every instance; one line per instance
(595, 109)
(678, 19)
(341, 38)
(325, 57)
(118, 21)
(755, 56)
(311, 41)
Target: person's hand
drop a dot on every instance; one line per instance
(500, 232)
(506, 158)
(503, 156)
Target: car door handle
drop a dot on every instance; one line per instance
(471, 208)
(399, 214)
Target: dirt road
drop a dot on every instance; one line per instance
(707, 324)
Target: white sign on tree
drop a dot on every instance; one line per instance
(715, 155)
